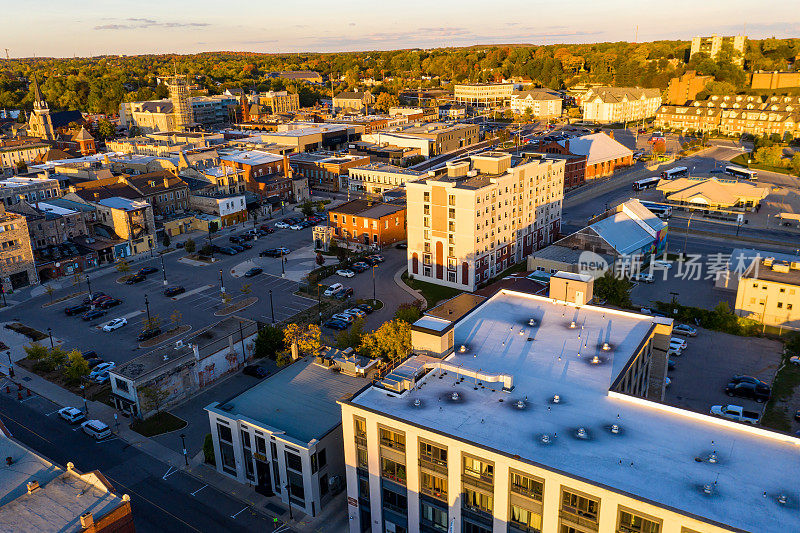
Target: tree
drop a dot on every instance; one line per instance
(320, 259)
(386, 101)
(189, 245)
(153, 398)
(105, 129)
(76, 367)
(390, 341)
(352, 337)
(246, 288)
(269, 342)
(134, 131)
(303, 340)
(166, 242)
(408, 312)
(176, 317)
(308, 209)
(122, 266)
(794, 164)
(36, 352)
(613, 289)
(57, 358)
(50, 290)
(769, 155)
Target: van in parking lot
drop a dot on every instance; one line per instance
(96, 429)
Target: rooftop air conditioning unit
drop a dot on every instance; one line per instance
(795, 265)
(472, 173)
(780, 267)
(768, 261)
(178, 344)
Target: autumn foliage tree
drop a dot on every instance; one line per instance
(390, 341)
(306, 340)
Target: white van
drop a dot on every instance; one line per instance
(96, 429)
(333, 289)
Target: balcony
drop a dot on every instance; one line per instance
(439, 495)
(524, 491)
(483, 482)
(575, 516)
(433, 465)
(393, 444)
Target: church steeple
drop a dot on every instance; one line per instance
(39, 123)
(39, 103)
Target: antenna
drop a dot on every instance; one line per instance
(7, 59)
(636, 37)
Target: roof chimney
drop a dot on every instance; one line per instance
(87, 520)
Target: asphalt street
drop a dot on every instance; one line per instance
(163, 499)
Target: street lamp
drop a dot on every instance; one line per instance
(271, 308)
(185, 454)
(319, 302)
(283, 268)
(289, 494)
(374, 299)
(89, 285)
(10, 365)
(163, 270)
(147, 306)
(221, 282)
(85, 405)
(50, 332)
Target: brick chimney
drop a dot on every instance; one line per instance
(287, 170)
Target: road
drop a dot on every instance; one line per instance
(163, 499)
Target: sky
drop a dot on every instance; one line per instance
(97, 27)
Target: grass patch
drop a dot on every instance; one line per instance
(513, 269)
(32, 334)
(376, 304)
(236, 306)
(157, 424)
(432, 293)
(741, 160)
(776, 413)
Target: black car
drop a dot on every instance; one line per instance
(335, 324)
(270, 252)
(94, 313)
(234, 239)
(748, 390)
(670, 364)
(255, 271)
(148, 334)
(740, 378)
(93, 361)
(344, 293)
(244, 238)
(147, 270)
(174, 291)
(76, 309)
(402, 246)
(237, 247)
(365, 307)
(136, 278)
(255, 371)
(245, 245)
(228, 251)
(358, 268)
(109, 303)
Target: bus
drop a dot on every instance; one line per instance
(677, 172)
(741, 173)
(645, 183)
(662, 211)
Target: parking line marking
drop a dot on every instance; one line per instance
(54, 412)
(29, 398)
(198, 490)
(192, 292)
(240, 512)
(132, 314)
(169, 472)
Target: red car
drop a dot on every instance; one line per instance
(266, 228)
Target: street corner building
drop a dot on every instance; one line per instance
(522, 413)
(37, 495)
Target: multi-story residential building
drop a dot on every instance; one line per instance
(31, 188)
(160, 116)
(540, 103)
(775, 80)
(607, 105)
(163, 190)
(433, 138)
(303, 75)
(526, 413)
(483, 94)
(131, 220)
(227, 209)
(685, 88)
(16, 154)
(377, 178)
(574, 166)
(769, 292)
(712, 46)
(367, 223)
(353, 102)
(486, 214)
(452, 112)
(293, 449)
(602, 154)
(326, 171)
(16, 256)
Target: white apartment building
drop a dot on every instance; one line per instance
(377, 178)
(546, 418)
(541, 103)
(484, 215)
(606, 105)
(483, 94)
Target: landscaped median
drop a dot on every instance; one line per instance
(236, 306)
(167, 335)
(432, 292)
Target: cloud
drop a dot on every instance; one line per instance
(134, 23)
(352, 24)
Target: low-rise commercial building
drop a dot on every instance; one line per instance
(384, 153)
(603, 154)
(608, 105)
(377, 178)
(326, 171)
(283, 445)
(713, 194)
(368, 224)
(432, 139)
(768, 292)
(486, 214)
(229, 209)
(15, 154)
(483, 94)
(506, 418)
(353, 102)
(181, 369)
(452, 112)
(30, 188)
(17, 268)
(539, 103)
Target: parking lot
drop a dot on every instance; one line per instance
(711, 360)
(687, 291)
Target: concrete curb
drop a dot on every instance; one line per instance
(398, 279)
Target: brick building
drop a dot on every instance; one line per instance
(685, 88)
(16, 256)
(368, 223)
(326, 171)
(603, 155)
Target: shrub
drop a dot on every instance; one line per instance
(269, 342)
(208, 450)
(189, 245)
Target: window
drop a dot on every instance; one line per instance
(780, 305)
(432, 454)
(527, 486)
(363, 488)
(245, 439)
(393, 470)
(433, 485)
(580, 506)
(632, 523)
(526, 518)
(433, 516)
(394, 501)
(261, 445)
(478, 500)
(121, 385)
(478, 469)
(392, 439)
(293, 461)
(224, 433)
(361, 458)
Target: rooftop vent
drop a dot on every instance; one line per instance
(556, 398)
(32, 486)
(606, 347)
(462, 349)
(166, 357)
(519, 404)
(768, 261)
(532, 322)
(782, 499)
(712, 458)
(708, 488)
(545, 439)
(417, 402)
(87, 520)
(615, 429)
(595, 360)
(572, 325)
(455, 396)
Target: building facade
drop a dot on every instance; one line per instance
(539, 103)
(483, 216)
(607, 105)
(378, 178)
(685, 88)
(769, 292)
(714, 44)
(483, 94)
(353, 102)
(368, 224)
(326, 171)
(775, 80)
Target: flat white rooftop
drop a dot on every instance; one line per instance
(652, 458)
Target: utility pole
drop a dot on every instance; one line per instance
(163, 270)
(271, 308)
(147, 306)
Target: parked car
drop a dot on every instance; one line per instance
(735, 412)
(344, 293)
(642, 277)
(227, 250)
(759, 393)
(794, 360)
(73, 415)
(93, 361)
(136, 278)
(684, 329)
(377, 257)
(359, 267)
(336, 324)
(115, 324)
(344, 317)
(266, 228)
(355, 311)
(174, 291)
(255, 371)
(281, 224)
(102, 377)
(93, 296)
(238, 247)
(365, 307)
(148, 334)
(147, 270)
(107, 304)
(234, 239)
(670, 364)
(91, 315)
(101, 299)
(245, 245)
(102, 367)
(346, 273)
(296, 227)
(96, 429)
(402, 246)
(255, 271)
(740, 378)
(333, 289)
(274, 252)
(679, 342)
(661, 264)
(76, 309)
